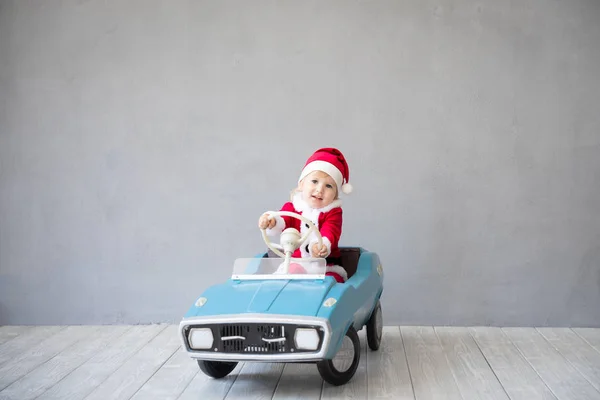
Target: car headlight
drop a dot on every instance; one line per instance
(306, 339)
(201, 338)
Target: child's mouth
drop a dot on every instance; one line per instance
(317, 198)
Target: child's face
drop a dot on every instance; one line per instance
(318, 189)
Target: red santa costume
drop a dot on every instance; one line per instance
(328, 220)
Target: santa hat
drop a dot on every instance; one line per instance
(332, 162)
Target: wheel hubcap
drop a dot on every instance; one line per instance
(344, 357)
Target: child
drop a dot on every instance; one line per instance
(325, 174)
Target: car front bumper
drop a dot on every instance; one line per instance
(256, 337)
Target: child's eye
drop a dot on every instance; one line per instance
(329, 186)
(314, 181)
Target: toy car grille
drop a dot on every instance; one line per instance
(257, 338)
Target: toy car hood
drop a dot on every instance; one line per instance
(266, 286)
(282, 296)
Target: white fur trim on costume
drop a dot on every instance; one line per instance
(326, 242)
(303, 207)
(312, 267)
(278, 228)
(338, 270)
(326, 167)
(314, 218)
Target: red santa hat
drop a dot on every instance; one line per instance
(332, 162)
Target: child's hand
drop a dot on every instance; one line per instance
(319, 252)
(266, 222)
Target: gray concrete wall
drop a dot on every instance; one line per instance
(141, 140)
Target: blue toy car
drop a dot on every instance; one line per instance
(266, 313)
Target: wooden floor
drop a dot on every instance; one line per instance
(147, 362)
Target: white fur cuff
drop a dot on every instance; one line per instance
(326, 242)
(278, 228)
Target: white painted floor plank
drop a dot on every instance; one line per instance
(204, 387)
(49, 373)
(577, 351)
(171, 379)
(299, 381)
(590, 335)
(25, 341)
(516, 375)
(356, 388)
(473, 375)
(132, 375)
(9, 332)
(431, 375)
(83, 380)
(41, 352)
(558, 374)
(387, 369)
(255, 381)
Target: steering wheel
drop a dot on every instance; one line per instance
(290, 237)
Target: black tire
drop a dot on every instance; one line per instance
(216, 369)
(328, 369)
(375, 328)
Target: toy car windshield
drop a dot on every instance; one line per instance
(278, 268)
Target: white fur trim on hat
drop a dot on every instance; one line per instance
(326, 167)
